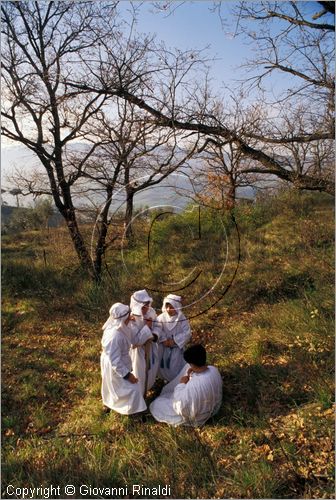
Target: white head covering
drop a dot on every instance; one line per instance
(138, 300)
(118, 314)
(176, 302)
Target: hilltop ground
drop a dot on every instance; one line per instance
(271, 336)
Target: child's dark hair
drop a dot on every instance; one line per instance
(195, 354)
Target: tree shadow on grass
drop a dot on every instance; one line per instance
(21, 279)
(253, 393)
(286, 287)
(34, 380)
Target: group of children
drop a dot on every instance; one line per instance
(139, 346)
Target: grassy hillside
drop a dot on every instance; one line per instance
(271, 336)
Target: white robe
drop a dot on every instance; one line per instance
(141, 333)
(117, 393)
(171, 358)
(192, 403)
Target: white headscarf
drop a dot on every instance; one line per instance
(176, 302)
(138, 300)
(118, 314)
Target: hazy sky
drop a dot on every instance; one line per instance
(191, 25)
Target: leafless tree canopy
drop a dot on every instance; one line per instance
(297, 47)
(98, 103)
(43, 45)
(88, 140)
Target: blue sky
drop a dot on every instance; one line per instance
(191, 26)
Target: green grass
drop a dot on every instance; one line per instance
(271, 336)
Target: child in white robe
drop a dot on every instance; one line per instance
(193, 396)
(173, 330)
(121, 390)
(144, 353)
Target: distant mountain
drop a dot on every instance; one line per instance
(175, 190)
(55, 220)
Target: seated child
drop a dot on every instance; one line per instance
(193, 396)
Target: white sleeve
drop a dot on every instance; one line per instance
(144, 334)
(170, 387)
(114, 352)
(182, 401)
(159, 330)
(140, 335)
(183, 333)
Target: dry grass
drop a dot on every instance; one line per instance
(271, 337)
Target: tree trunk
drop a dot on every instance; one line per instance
(129, 213)
(231, 196)
(101, 243)
(100, 250)
(78, 241)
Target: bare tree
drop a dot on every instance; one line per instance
(45, 47)
(261, 153)
(43, 44)
(211, 127)
(296, 48)
(64, 63)
(222, 175)
(177, 102)
(16, 192)
(307, 158)
(224, 168)
(142, 153)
